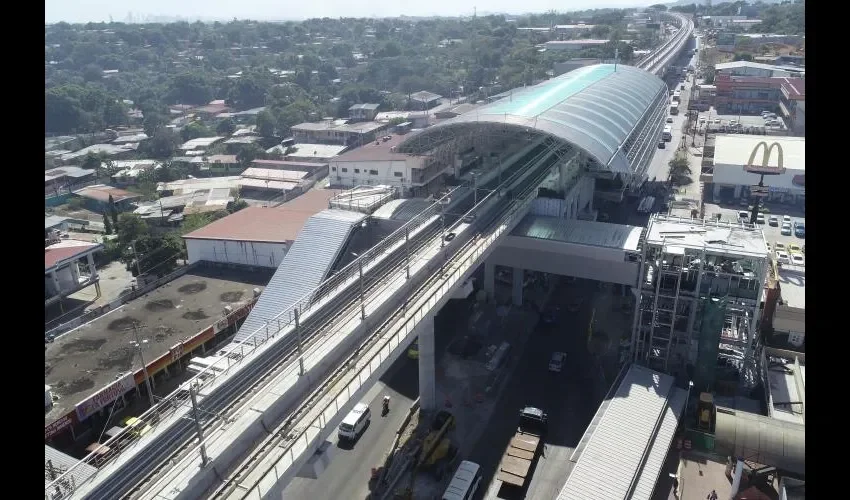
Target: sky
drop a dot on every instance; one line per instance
(99, 10)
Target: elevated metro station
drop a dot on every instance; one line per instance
(593, 130)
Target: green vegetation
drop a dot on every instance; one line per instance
(300, 71)
(786, 18)
(680, 170)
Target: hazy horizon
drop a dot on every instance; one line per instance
(268, 10)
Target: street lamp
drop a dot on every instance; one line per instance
(138, 345)
(688, 398)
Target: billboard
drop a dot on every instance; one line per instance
(103, 397)
(54, 427)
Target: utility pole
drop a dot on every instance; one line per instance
(362, 298)
(300, 348)
(407, 252)
(198, 427)
(138, 344)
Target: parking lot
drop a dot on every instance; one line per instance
(749, 123)
(772, 234)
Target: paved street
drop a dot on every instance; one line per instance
(350, 467)
(570, 397)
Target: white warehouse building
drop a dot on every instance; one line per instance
(733, 151)
(255, 236)
(378, 163)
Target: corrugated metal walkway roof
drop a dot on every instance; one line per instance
(304, 266)
(761, 439)
(62, 463)
(613, 460)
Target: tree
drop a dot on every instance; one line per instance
(107, 224)
(112, 210)
(266, 124)
(131, 227)
(190, 88)
(225, 127)
(163, 143)
(195, 130)
(680, 170)
(92, 162)
(250, 153)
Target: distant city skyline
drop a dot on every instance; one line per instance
(269, 10)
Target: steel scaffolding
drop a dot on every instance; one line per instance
(681, 268)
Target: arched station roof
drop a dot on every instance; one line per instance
(596, 108)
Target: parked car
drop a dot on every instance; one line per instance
(794, 248)
(662, 145)
(800, 229)
(773, 220)
(556, 363)
(717, 121)
(743, 215)
(786, 229)
(779, 246)
(798, 260)
(760, 219)
(786, 218)
(669, 119)
(782, 257)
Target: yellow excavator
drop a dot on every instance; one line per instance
(437, 453)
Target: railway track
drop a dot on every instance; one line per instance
(249, 465)
(230, 400)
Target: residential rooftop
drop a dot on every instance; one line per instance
(792, 285)
(68, 171)
(305, 166)
(265, 224)
(186, 186)
(717, 237)
(87, 359)
(787, 388)
(424, 96)
(102, 192)
(107, 149)
(383, 149)
(353, 128)
(320, 152)
(57, 254)
(200, 142)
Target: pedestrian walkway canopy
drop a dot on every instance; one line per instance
(612, 112)
(761, 439)
(624, 448)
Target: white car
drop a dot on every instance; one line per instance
(779, 246)
(556, 364)
(786, 229)
(773, 220)
(786, 219)
(782, 257)
(760, 219)
(717, 121)
(798, 259)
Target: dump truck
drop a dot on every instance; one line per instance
(525, 445)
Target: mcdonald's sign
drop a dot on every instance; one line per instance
(765, 168)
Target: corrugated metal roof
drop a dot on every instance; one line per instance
(304, 266)
(614, 452)
(62, 463)
(581, 232)
(658, 453)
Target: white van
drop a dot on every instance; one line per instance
(354, 423)
(465, 482)
(667, 133)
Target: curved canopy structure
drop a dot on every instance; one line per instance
(612, 112)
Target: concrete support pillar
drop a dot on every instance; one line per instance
(490, 279)
(427, 365)
(738, 189)
(516, 292)
(92, 270)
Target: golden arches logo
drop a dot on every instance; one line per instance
(765, 168)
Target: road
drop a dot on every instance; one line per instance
(351, 466)
(570, 397)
